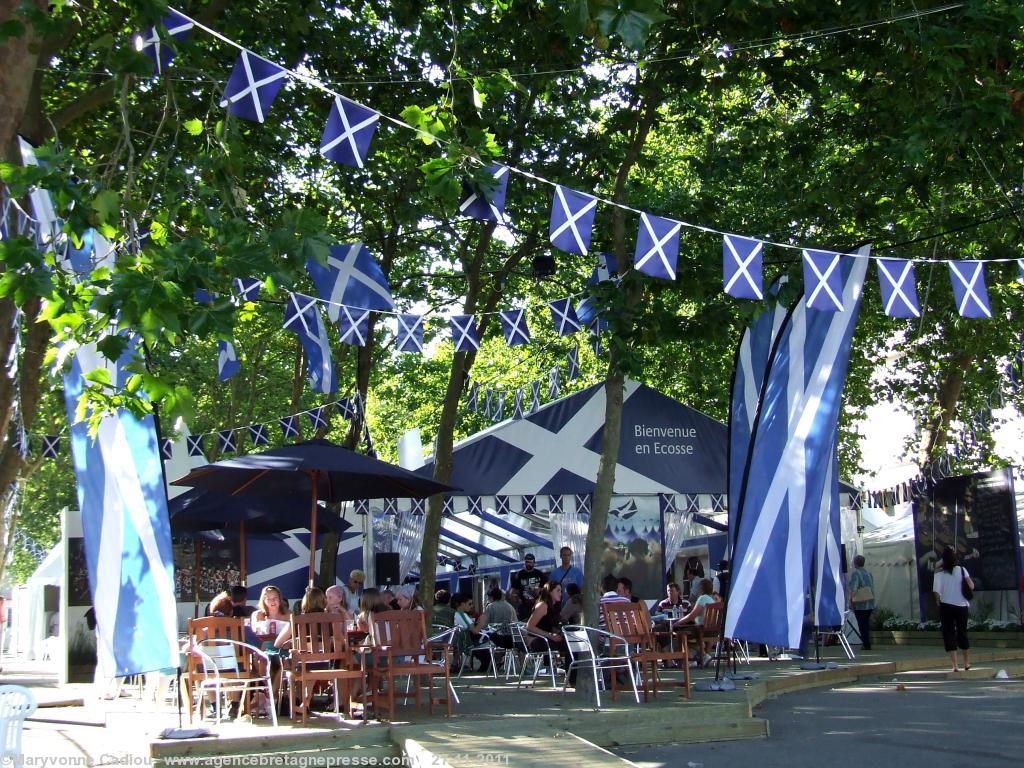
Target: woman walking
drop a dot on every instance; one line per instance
(948, 586)
(862, 600)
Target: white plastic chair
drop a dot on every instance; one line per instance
(584, 655)
(223, 675)
(16, 704)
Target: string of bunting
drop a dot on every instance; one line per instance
(350, 128)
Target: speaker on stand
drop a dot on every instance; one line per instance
(386, 570)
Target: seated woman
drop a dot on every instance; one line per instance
(370, 601)
(272, 613)
(696, 615)
(469, 635)
(544, 620)
(335, 598)
(314, 601)
(407, 599)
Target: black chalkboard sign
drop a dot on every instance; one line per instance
(976, 515)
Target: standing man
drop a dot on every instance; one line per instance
(528, 581)
(350, 591)
(566, 573)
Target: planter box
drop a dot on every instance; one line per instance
(1010, 639)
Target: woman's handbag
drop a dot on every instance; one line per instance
(862, 594)
(966, 591)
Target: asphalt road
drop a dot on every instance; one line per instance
(931, 724)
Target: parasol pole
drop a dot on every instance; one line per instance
(241, 552)
(312, 528)
(198, 543)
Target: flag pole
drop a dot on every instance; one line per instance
(312, 527)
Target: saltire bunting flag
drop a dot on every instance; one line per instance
(667, 503)
(346, 409)
(252, 87)
(587, 313)
(351, 277)
(486, 204)
(368, 441)
(82, 258)
(742, 267)
(607, 268)
(583, 503)
(227, 360)
(391, 507)
(203, 296)
(464, 333)
(513, 323)
(473, 399)
(499, 408)
(529, 504)
(1020, 270)
(718, 502)
(657, 247)
(357, 403)
(572, 219)
(302, 317)
(354, 326)
(410, 334)
(899, 290)
(517, 404)
(693, 503)
(226, 441)
(195, 445)
(319, 418)
(166, 449)
(51, 446)
(748, 378)
(502, 505)
(128, 549)
(534, 396)
(564, 317)
(573, 371)
(488, 400)
(290, 428)
(418, 507)
(248, 288)
(554, 385)
(258, 435)
(788, 464)
(968, 278)
(595, 343)
(823, 280)
(348, 133)
(829, 593)
(448, 508)
(554, 504)
(362, 507)
(177, 27)
(474, 505)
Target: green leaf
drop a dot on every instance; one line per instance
(107, 205)
(112, 346)
(11, 28)
(100, 376)
(193, 126)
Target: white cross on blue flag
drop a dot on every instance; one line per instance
(572, 219)
(166, 449)
(517, 404)
(290, 428)
(346, 409)
(554, 504)
(564, 317)
(502, 505)
(354, 326)
(513, 323)
(899, 289)
(488, 399)
(486, 204)
(195, 445)
(176, 27)
(410, 334)
(226, 441)
(51, 446)
(829, 592)
(657, 246)
(535, 396)
(823, 281)
(319, 417)
(554, 386)
(499, 411)
(258, 434)
(573, 372)
(348, 133)
(302, 317)
(464, 333)
(788, 465)
(471, 400)
(351, 277)
(252, 87)
(227, 360)
(968, 278)
(742, 267)
(248, 288)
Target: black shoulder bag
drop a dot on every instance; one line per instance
(966, 591)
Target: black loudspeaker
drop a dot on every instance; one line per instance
(385, 566)
(51, 598)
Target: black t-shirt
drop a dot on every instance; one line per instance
(242, 611)
(529, 583)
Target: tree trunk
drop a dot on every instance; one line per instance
(949, 395)
(19, 56)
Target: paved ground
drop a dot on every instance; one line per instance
(931, 724)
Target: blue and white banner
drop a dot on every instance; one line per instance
(657, 246)
(829, 591)
(51, 446)
(127, 536)
(248, 288)
(302, 317)
(742, 268)
(899, 290)
(563, 315)
(227, 360)
(226, 441)
(573, 364)
(410, 334)
(353, 278)
(789, 462)
(968, 278)
(252, 87)
(486, 205)
(353, 326)
(572, 219)
(823, 281)
(513, 323)
(465, 334)
(319, 418)
(175, 26)
(258, 435)
(290, 428)
(348, 133)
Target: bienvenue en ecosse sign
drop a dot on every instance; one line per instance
(663, 441)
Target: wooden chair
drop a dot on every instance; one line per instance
(632, 622)
(241, 667)
(320, 655)
(712, 637)
(400, 648)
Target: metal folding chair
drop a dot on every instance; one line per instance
(583, 654)
(522, 638)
